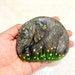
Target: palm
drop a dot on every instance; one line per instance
(10, 63)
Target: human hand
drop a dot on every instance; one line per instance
(10, 64)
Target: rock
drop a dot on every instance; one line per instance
(41, 39)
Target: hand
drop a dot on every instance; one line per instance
(10, 64)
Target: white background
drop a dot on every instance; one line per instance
(20, 11)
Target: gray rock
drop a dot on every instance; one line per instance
(42, 38)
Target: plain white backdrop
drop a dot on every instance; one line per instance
(20, 11)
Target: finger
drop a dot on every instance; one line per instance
(56, 17)
(12, 32)
(69, 33)
(71, 44)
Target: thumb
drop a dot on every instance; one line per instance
(11, 33)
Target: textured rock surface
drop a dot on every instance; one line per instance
(42, 38)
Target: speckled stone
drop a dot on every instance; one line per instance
(41, 39)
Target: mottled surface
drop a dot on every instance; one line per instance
(42, 38)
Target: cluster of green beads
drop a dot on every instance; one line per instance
(42, 57)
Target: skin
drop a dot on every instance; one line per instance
(10, 64)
